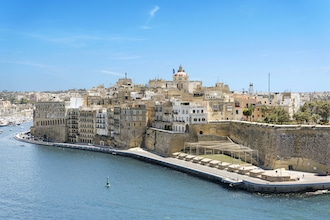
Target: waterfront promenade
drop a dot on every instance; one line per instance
(297, 181)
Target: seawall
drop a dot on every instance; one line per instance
(309, 183)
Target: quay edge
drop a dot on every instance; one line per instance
(198, 170)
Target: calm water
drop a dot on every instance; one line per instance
(39, 182)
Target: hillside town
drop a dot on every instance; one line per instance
(119, 115)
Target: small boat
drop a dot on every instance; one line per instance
(3, 124)
(108, 183)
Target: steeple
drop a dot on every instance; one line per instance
(180, 69)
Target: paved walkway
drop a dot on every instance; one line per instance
(303, 176)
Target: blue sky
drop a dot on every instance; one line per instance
(64, 44)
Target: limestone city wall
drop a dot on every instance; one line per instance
(305, 148)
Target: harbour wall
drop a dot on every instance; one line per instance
(196, 169)
(283, 188)
(296, 147)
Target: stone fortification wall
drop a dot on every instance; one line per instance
(305, 148)
(260, 137)
(220, 129)
(292, 146)
(165, 142)
(52, 133)
(295, 147)
(309, 145)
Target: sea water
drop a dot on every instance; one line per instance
(43, 182)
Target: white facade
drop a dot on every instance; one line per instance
(186, 114)
(102, 122)
(292, 102)
(76, 102)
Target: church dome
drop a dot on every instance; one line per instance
(181, 74)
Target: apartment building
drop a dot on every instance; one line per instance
(72, 124)
(49, 121)
(72, 115)
(129, 124)
(187, 113)
(87, 125)
(101, 122)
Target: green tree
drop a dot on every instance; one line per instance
(323, 109)
(303, 117)
(247, 112)
(24, 101)
(316, 111)
(282, 115)
(276, 115)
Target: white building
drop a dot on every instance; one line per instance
(291, 102)
(186, 114)
(101, 122)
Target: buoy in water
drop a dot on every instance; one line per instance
(108, 183)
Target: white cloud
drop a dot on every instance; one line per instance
(152, 13)
(112, 73)
(154, 10)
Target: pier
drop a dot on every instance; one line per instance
(250, 178)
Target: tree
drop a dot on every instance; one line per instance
(323, 109)
(303, 117)
(247, 112)
(317, 111)
(24, 101)
(275, 115)
(282, 115)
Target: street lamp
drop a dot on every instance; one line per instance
(281, 158)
